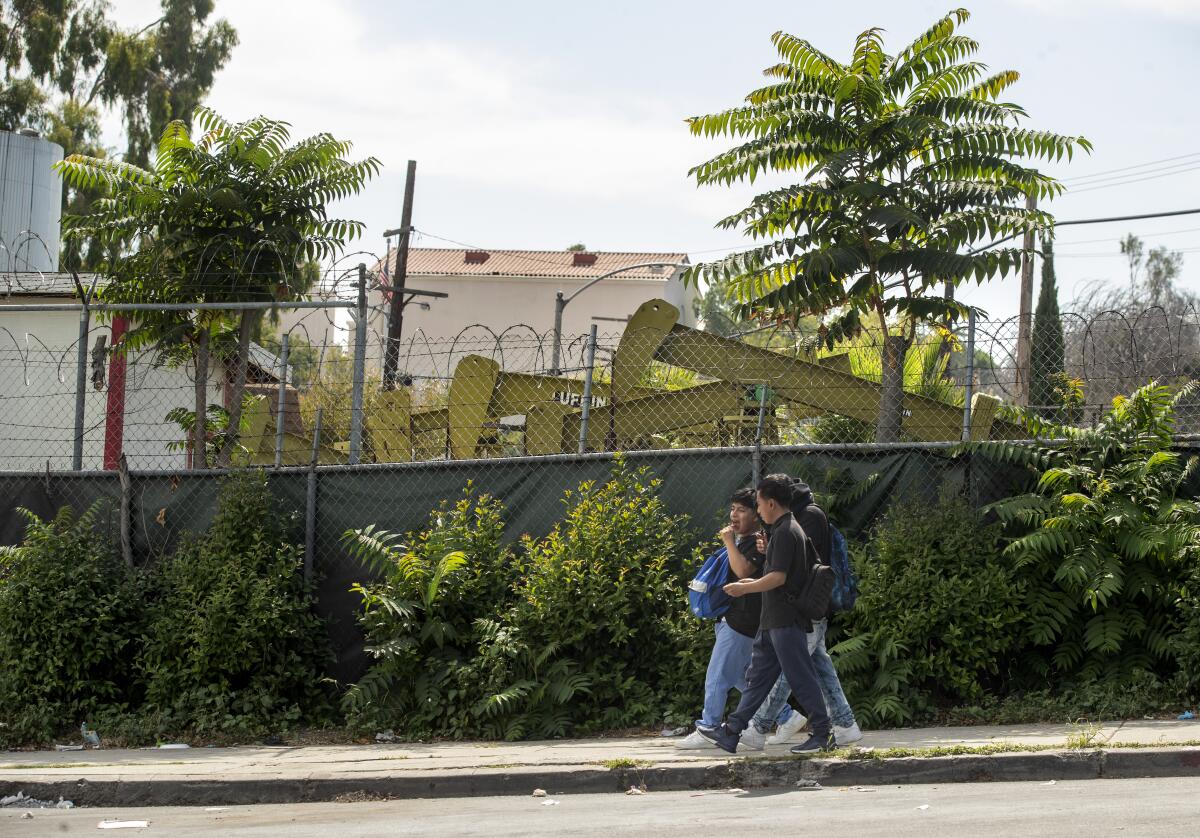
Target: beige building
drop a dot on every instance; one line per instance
(501, 303)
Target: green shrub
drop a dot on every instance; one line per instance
(583, 629)
(1069, 702)
(428, 620)
(69, 611)
(1187, 641)
(1106, 541)
(233, 645)
(604, 587)
(937, 616)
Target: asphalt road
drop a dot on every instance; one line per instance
(1088, 807)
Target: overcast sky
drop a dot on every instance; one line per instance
(537, 124)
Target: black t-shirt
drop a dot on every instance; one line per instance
(813, 521)
(744, 611)
(789, 551)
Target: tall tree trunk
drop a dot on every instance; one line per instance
(891, 389)
(245, 324)
(199, 430)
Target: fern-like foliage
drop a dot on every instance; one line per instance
(1108, 535)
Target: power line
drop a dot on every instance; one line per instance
(1145, 165)
(1131, 182)
(1058, 244)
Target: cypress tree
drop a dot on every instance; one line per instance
(1047, 353)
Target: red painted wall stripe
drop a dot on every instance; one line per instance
(114, 415)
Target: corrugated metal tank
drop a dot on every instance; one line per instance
(30, 202)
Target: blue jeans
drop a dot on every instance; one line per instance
(727, 671)
(827, 677)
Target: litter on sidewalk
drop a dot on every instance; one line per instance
(20, 801)
(123, 825)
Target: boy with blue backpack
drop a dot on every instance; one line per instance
(736, 619)
(796, 590)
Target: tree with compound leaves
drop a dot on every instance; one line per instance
(234, 216)
(908, 160)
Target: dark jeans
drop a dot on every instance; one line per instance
(783, 649)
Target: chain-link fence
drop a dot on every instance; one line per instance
(490, 408)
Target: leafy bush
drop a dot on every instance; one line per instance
(1107, 540)
(69, 608)
(583, 629)
(937, 615)
(233, 644)
(428, 617)
(1073, 701)
(598, 587)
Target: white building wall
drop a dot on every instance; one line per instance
(38, 352)
(519, 310)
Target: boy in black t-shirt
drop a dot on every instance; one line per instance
(735, 631)
(781, 643)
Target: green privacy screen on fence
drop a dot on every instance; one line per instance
(698, 483)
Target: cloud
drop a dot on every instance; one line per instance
(1171, 9)
(478, 115)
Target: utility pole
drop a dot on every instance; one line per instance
(391, 356)
(1025, 326)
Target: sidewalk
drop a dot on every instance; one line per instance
(227, 776)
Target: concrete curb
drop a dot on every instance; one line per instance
(1123, 763)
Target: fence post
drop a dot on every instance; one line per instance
(80, 384)
(310, 501)
(587, 390)
(756, 458)
(360, 362)
(969, 384)
(126, 511)
(279, 407)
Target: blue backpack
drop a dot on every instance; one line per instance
(706, 593)
(845, 583)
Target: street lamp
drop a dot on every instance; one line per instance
(560, 303)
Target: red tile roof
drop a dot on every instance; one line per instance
(437, 261)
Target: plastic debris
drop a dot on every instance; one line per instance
(20, 801)
(28, 816)
(386, 736)
(122, 824)
(68, 747)
(635, 790)
(173, 746)
(1186, 716)
(862, 789)
(217, 809)
(922, 807)
(808, 785)
(673, 731)
(539, 792)
(549, 802)
(737, 791)
(1050, 783)
(90, 738)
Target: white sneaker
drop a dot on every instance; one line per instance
(752, 739)
(788, 729)
(694, 741)
(847, 735)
